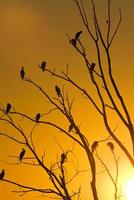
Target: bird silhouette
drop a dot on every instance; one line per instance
(77, 35)
(43, 66)
(8, 108)
(22, 153)
(70, 127)
(94, 146)
(63, 157)
(73, 42)
(58, 91)
(22, 73)
(37, 117)
(2, 174)
(110, 144)
(92, 66)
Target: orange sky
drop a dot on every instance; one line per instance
(32, 31)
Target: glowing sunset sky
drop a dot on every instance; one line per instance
(35, 30)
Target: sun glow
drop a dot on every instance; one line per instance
(129, 189)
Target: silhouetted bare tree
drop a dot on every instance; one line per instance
(109, 100)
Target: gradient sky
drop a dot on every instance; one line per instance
(32, 31)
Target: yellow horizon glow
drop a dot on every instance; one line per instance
(129, 189)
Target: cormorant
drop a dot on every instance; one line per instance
(77, 35)
(73, 42)
(94, 146)
(2, 174)
(22, 73)
(22, 153)
(8, 108)
(110, 144)
(70, 127)
(37, 117)
(63, 158)
(92, 66)
(43, 66)
(58, 91)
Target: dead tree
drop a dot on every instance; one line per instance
(63, 104)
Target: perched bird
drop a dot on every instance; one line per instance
(58, 91)
(77, 35)
(43, 66)
(63, 158)
(70, 127)
(37, 117)
(92, 66)
(22, 73)
(22, 153)
(94, 146)
(2, 174)
(73, 42)
(110, 144)
(8, 108)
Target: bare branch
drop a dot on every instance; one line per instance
(116, 30)
(31, 189)
(12, 138)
